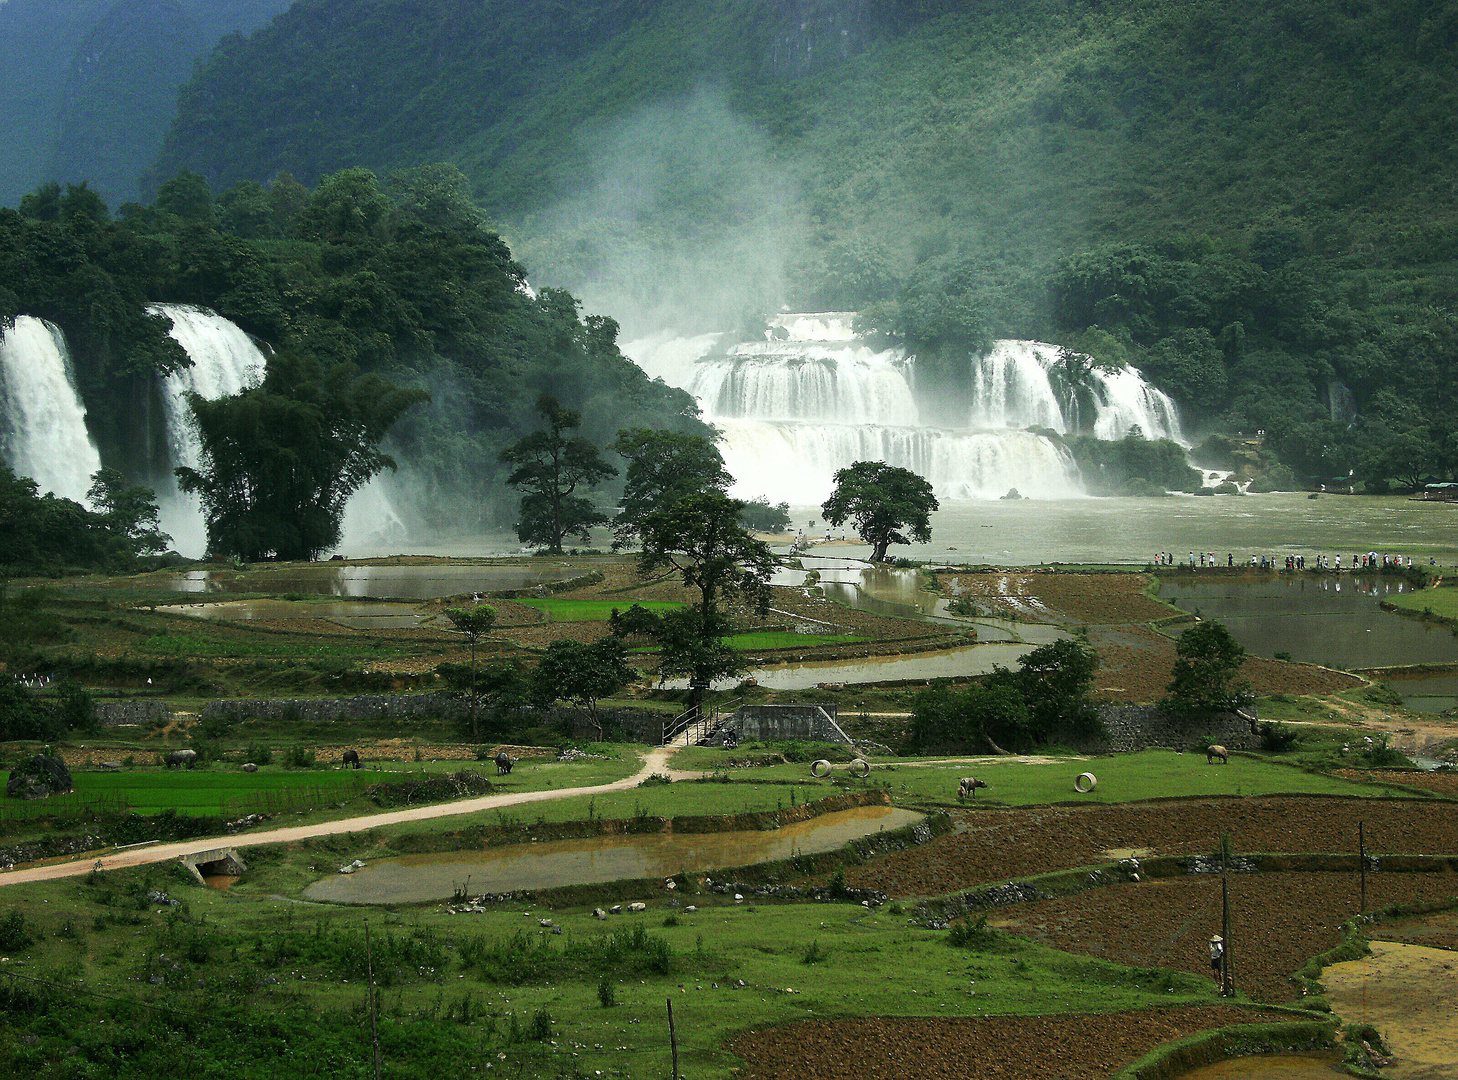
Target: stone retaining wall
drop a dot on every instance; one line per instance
(141, 712)
(1138, 727)
(808, 722)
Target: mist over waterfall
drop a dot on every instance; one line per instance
(811, 398)
(44, 432)
(226, 361)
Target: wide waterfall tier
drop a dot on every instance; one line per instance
(811, 398)
(44, 434)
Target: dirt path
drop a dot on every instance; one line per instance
(655, 761)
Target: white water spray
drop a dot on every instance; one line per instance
(44, 434)
(812, 398)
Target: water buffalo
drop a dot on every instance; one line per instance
(503, 764)
(968, 785)
(181, 757)
(350, 757)
(1213, 752)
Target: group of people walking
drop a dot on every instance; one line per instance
(1359, 562)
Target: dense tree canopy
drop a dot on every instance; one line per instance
(1207, 672)
(551, 467)
(886, 505)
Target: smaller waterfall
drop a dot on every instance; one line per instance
(1126, 401)
(44, 434)
(371, 522)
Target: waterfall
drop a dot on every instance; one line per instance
(44, 434)
(811, 398)
(226, 361)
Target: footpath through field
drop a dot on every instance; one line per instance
(655, 761)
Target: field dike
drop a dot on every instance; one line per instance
(759, 879)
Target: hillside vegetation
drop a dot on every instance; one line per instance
(1259, 205)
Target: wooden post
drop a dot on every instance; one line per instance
(1227, 981)
(1362, 858)
(374, 1026)
(673, 1039)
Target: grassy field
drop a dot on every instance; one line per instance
(781, 639)
(496, 994)
(1442, 602)
(1152, 774)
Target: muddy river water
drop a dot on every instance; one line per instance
(420, 878)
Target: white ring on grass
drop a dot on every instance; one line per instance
(820, 769)
(860, 767)
(1093, 782)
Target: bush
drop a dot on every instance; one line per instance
(814, 954)
(12, 931)
(300, 758)
(540, 1028)
(607, 993)
(1277, 738)
(259, 754)
(971, 934)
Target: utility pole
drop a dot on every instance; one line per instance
(673, 1039)
(374, 1026)
(1227, 980)
(1362, 857)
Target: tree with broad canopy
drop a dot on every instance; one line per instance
(551, 465)
(881, 501)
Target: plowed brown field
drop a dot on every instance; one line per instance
(1277, 921)
(994, 845)
(1079, 1046)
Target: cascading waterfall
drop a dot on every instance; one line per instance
(811, 398)
(226, 361)
(44, 434)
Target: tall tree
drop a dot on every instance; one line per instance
(551, 465)
(474, 623)
(663, 466)
(881, 501)
(700, 536)
(281, 460)
(1206, 672)
(130, 514)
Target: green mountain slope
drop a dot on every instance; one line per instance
(1286, 171)
(89, 87)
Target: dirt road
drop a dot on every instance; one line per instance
(655, 761)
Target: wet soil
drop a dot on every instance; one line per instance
(1444, 783)
(1410, 994)
(1319, 1066)
(1438, 930)
(1277, 921)
(1071, 1047)
(994, 845)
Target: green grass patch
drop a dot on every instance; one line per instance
(1151, 774)
(245, 969)
(592, 610)
(1442, 602)
(783, 639)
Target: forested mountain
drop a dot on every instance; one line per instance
(1257, 203)
(89, 87)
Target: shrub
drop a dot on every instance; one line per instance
(12, 931)
(1277, 738)
(607, 993)
(300, 758)
(259, 754)
(540, 1028)
(972, 934)
(814, 954)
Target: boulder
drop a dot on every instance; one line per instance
(39, 778)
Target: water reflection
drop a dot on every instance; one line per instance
(1318, 619)
(356, 616)
(418, 878)
(405, 582)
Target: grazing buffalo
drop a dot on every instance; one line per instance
(1213, 752)
(968, 785)
(181, 757)
(351, 758)
(503, 764)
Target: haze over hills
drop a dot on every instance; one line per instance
(89, 87)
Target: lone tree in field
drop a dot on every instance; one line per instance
(1206, 671)
(701, 537)
(474, 623)
(881, 501)
(551, 466)
(582, 674)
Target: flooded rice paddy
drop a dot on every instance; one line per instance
(420, 878)
(355, 616)
(1319, 619)
(394, 581)
(1314, 1066)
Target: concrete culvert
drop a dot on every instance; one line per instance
(1085, 782)
(820, 768)
(860, 767)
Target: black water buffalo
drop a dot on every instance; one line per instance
(187, 758)
(503, 764)
(350, 757)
